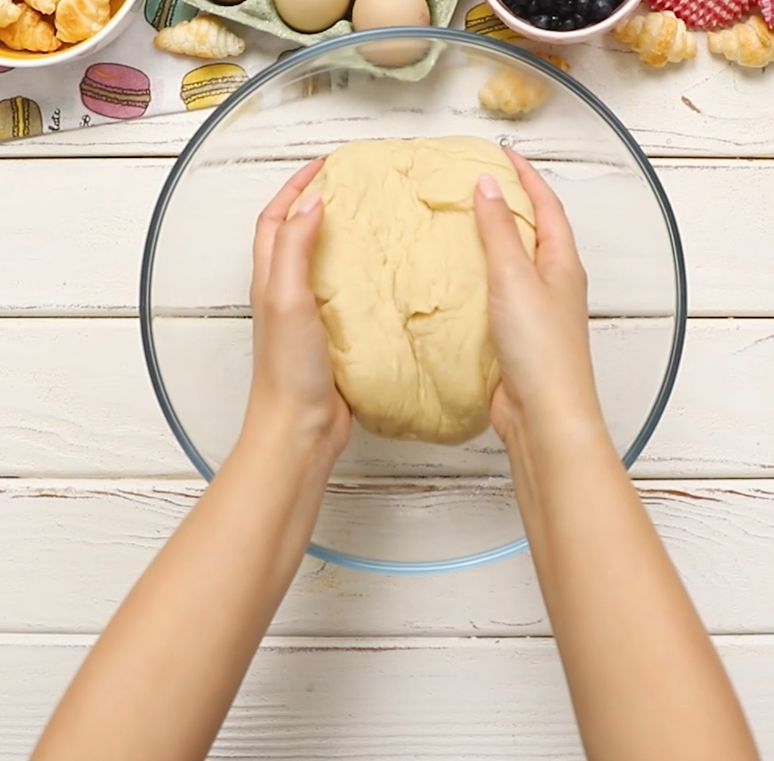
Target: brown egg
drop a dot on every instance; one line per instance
(311, 15)
(377, 14)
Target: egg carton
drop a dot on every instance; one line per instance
(262, 15)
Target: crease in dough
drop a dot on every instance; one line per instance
(401, 270)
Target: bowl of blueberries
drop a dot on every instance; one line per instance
(562, 21)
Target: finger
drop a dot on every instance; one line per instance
(273, 217)
(288, 287)
(506, 256)
(553, 227)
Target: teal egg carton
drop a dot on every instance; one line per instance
(263, 16)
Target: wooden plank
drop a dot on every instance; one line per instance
(77, 248)
(75, 401)
(685, 111)
(92, 269)
(70, 550)
(377, 699)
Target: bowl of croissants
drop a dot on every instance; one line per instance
(37, 33)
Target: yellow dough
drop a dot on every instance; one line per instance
(400, 277)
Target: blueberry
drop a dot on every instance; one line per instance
(546, 6)
(532, 9)
(541, 21)
(555, 23)
(565, 8)
(568, 25)
(582, 7)
(601, 9)
(580, 21)
(517, 6)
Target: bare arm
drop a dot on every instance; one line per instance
(160, 680)
(645, 680)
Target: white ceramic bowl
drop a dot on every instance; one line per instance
(122, 15)
(520, 25)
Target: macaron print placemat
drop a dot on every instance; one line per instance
(128, 79)
(132, 79)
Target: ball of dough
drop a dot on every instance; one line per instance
(400, 276)
(311, 15)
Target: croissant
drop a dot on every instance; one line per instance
(77, 20)
(748, 44)
(659, 38)
(46, 7)
(555, 60)
(516, 93)
(201, 37)
(30, 32)
(9, 13)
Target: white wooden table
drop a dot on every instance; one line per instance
(363, 666)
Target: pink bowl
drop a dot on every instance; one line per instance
(526, 29)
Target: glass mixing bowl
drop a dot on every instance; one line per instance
(194, 298)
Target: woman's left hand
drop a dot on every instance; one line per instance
(293, 384)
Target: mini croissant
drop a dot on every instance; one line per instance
(748, 44)
(201, 37)
(659, 38)
(46, 7)
(30, 32)
(9, 13)
(77, 20)
(516, 93)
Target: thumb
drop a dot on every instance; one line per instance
(288, 284)
(506, 257)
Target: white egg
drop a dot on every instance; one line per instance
(377, 14)
(311, 15)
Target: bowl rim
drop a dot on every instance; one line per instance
(306, 55)
(79, 49)
(511, 20)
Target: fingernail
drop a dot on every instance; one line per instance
(310, 203)
(489, 187)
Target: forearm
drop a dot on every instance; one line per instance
(645, 680)
(162, 677)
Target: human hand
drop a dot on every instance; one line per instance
(293, 385)
(538, 312)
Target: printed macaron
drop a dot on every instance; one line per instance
(210, 85)
(115, 91)
(481, 19)
(163, 13)
(19, 117)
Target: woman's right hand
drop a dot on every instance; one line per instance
(293, 381)
(637, 659)
(538, 312)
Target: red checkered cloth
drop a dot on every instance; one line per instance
(767, 9)
(707, 14)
